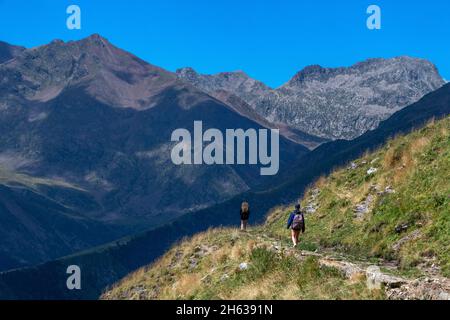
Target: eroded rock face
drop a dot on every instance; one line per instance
(331, 103)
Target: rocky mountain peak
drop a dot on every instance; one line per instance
(396, 69)
(110, 74)
(312, 72)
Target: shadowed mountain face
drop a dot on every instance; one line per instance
(100, 120)
(107, 264)
(331, 103)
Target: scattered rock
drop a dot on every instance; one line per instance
(412, 236)
(389, 189)
(371, 276)
(353, 166)
(312, 206)
(139, 291)
(243, 266)
(348, 269)
(371, 171)
(401, 227)
(224, 277)
(389, 280)
(176, 259)
(362, 208)
(421, 289)
(193, 263)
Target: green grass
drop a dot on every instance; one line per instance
(270, 275)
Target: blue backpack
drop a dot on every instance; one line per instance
(298, 222)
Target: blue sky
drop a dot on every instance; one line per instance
(270, 40)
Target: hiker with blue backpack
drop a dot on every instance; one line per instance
(296, 223)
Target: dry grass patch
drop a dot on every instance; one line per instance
(185, 286)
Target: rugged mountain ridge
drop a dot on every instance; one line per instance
(332, 103)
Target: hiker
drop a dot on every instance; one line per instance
(296, 223)
(245, 214)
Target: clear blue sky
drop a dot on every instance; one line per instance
(270, 40)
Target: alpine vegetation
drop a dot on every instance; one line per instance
(192, 151)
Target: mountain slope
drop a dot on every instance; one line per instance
(388, 209)
(133, 252)
(331, 103)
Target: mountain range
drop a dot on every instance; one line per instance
(85, 138)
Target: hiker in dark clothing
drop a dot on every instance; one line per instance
(245, 214)
(296, 223)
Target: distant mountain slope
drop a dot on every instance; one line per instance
(331, 102)
(129, 254)
(389, 209)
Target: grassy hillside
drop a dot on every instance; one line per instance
(389, 208)
(228, 264)
(399, 211)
